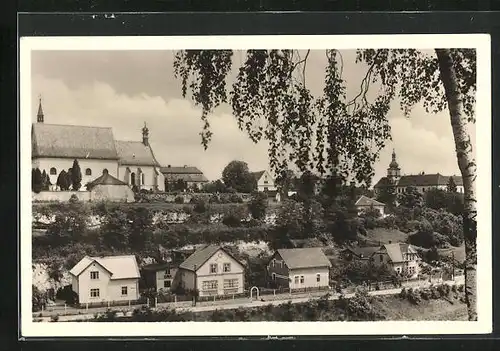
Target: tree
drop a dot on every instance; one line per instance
(237, 176)
(45, 181)
(436, 199)
(333, 133)
(285, 182)
(451, 186)
(76, 176)
(387, 195)
(179, 185)
(140, 223)
(258, 205)
(37, 181)
(62, 180)
(411, 198)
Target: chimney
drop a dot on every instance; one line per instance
(390, 241)
(169, 166)
(145, 135)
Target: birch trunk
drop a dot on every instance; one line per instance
(467, 167)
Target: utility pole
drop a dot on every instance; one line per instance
(453, 265)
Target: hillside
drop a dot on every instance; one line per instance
(378, 236)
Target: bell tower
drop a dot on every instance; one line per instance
(145, 135)
(394, 172)
(39, 115)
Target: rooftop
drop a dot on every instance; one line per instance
(304, 258)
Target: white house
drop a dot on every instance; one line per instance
(265, 181)
(212, 270)
(106, 279)
(299, 269)
(365, 203)
(54, 147)
(401, 257)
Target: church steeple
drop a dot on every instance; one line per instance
(145, 135)
(394, 172)
(39, 116)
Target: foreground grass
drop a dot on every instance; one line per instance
(391, 308)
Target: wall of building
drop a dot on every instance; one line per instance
(96, 167)
(187, 279)
(310, 277)
(149, 180)
(171, 276)
(85, 284)
(380, 208)
(115, 289)
(121, 193)
(266, 182)
(60, 196)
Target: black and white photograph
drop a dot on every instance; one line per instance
(303, 185)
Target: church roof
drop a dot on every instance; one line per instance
(135, 153)
(71, 141)
(420, 180)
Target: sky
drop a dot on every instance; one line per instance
(124, 89)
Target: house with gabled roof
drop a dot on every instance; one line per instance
(106, 187)
(106, 279)
(265, 181)
(359, 253)
(403, 258)
(191, 175)
(365, 203)
(212, 270)
(55, 146)
(299, 269)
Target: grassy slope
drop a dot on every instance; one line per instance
(395, 308)
(382, 235)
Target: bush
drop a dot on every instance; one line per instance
(179, 200)
(235, 198)
(200, 206)
(231, 220)
(54, 318)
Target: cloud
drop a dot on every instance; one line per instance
(174, 124)
(126, 88)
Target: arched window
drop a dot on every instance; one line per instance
(53, 171)
(105, 171)
(132, 178)
(88, 172)
(142, 178)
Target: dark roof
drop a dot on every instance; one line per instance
(159, 266)
(304, 258)
(427, 180)
(199, 257)
(105, 179)
(257, 175)
(366, 201)
(135, 153)
(70, 141)
(420, 180)
(363, 252)
(396, 250)
(383, 182)
(186, 173)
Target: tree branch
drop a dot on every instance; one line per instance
(365, 83)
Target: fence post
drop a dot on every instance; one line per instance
(175, 300)
(147, 301)
(87, 307)
(128, 303)
(64, 307)
(233, 296)
(156, 302)
(108, 303)
(274, 292)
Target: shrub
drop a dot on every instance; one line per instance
(231, 220)
(200, 206)
(179, 200)
(414, 296)
(403, 293)
(54, 318)
(235, 198)
(258, 205)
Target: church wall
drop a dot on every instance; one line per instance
(149, 177)
(96, 167)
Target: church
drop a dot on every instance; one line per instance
(422, 182)
(54, 147)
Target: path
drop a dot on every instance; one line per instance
(245, 303)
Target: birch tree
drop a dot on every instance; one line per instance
(333, 133)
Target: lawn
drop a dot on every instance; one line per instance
(458, 251)
(384, 236)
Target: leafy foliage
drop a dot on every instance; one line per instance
(258, 205)
(76, 176)
(237, 176)
(62, 180)
(37, 181)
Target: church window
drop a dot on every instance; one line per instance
(88, 172)
(53, 171)
(142, 178)
(105, 171)
(132, 178)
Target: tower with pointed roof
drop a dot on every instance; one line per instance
(39, 115)
(145, 135)
(394, 172)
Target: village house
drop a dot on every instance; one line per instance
(299, 269)
(191, 176)
(212, 270)
(422, 182)
(359, 253)
(56, 146)
(106, 279)
(365, 203)
(265, 181)
(401, 257)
